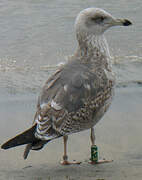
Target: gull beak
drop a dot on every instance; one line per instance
(121, 22)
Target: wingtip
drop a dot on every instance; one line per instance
(25, 137)
(5, 146)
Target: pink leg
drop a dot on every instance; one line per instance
(65, 157)
(92, 137)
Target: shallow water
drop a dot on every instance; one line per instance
(35, 36)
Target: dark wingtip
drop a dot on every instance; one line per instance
(25, 137)
(5, 146)
(127, 22)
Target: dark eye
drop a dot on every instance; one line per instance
(98, 19)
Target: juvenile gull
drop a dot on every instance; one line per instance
(78, 94)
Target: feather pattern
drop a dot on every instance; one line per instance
(63, 111)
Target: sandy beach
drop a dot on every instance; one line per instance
(37, 35)
(118, 137)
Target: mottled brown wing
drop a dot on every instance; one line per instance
(63, 93)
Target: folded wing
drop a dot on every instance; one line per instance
(64, 93)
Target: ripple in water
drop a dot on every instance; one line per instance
(27, 78)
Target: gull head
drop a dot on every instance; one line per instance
(96, 21)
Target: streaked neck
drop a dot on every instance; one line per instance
(94, 49)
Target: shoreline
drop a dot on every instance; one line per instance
(118, 136)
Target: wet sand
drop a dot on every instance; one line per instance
(37, 34)
(118, 136)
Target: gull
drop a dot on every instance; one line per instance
(79, 93)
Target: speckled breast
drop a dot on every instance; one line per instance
(92, 111)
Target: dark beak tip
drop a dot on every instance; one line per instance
(127, 22)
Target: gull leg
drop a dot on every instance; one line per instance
(92, 136)
(94, 151)
(65, 157)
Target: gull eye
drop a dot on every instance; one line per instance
(98, 19)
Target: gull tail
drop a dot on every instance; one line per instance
(34, 146)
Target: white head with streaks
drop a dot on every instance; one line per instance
(96, 21)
